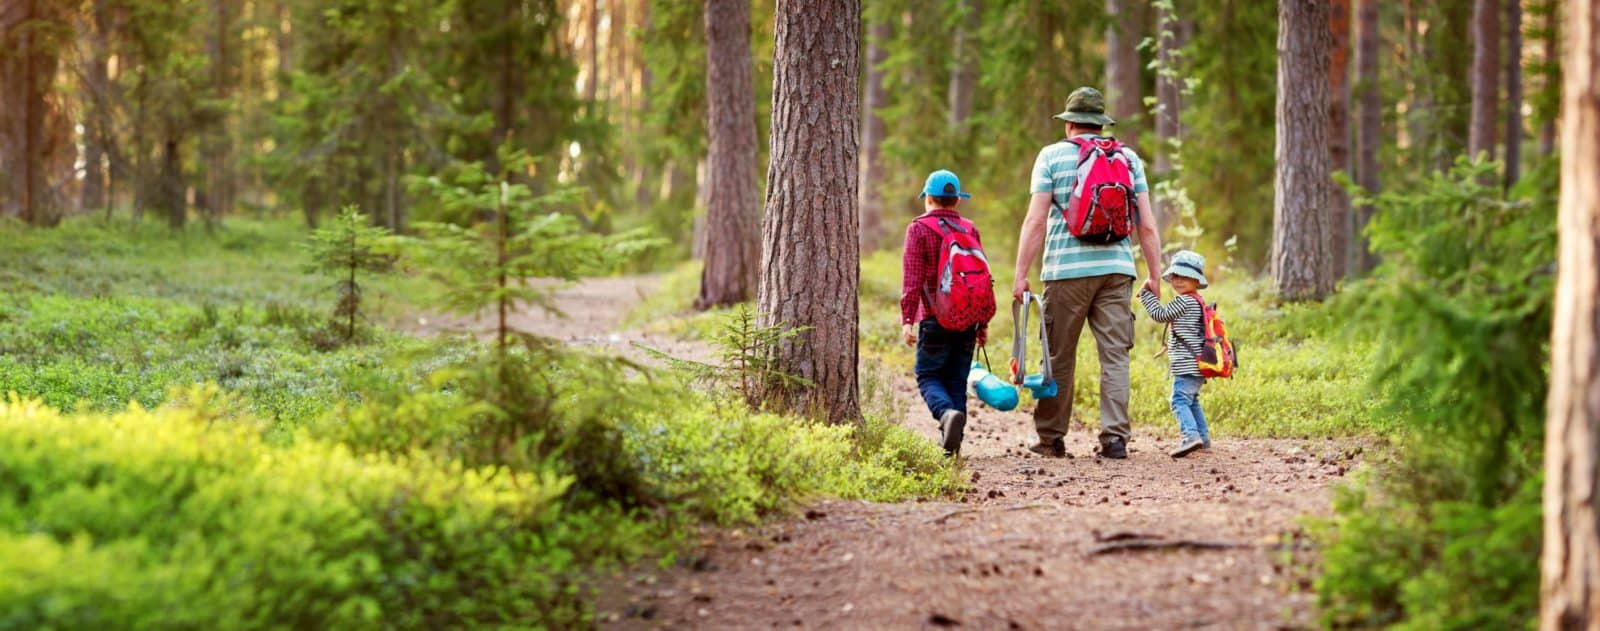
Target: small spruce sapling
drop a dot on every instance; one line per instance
(503, 263)
(347, 249)
(497, 265)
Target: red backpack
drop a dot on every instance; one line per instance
(1103, 209)
(963, 296)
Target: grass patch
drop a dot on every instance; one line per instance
(314, 484)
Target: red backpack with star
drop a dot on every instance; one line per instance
(963, 294)
(1102, 209)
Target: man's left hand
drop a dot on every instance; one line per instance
(983, 336)
(1154, 286)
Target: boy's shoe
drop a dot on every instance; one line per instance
(1207, 441)
(951, 428)
(1056, 448)
(1188, 446)
(1115, 449)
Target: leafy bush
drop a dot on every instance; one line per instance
(1449, 535)
(142, 519)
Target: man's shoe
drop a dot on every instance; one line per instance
(1188, 446)
(952, 426)
(1115, 449)
(1056, 448)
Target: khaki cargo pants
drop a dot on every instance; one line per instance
(1105, 302)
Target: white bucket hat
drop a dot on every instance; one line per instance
(1188, 265)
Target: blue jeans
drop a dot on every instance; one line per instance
(944, 358)
(1186, 405)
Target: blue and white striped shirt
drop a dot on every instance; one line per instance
(1055, 171)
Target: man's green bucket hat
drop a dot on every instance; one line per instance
(1086, 105)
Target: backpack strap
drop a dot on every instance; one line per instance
(1203, 332)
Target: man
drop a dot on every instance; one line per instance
(1084, 282)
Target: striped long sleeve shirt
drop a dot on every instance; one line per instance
(1187, 334)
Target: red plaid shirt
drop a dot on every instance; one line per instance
(919, 267)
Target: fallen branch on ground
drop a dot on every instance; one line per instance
(1133, 545)
(946, 517)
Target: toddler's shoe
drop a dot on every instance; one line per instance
(1188, 446)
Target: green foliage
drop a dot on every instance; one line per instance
(346, 249)
(164, 518)
(745, 354)
(1461, 309)
(495, 264)
(97, 316)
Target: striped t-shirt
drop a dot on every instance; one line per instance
(1188, 333)
(1055, 171)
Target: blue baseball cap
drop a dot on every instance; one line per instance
(943, 183)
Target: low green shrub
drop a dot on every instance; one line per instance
(1447, 535)
(163, 519)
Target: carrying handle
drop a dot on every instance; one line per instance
(1019, 338)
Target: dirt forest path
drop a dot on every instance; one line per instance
(1033, 545)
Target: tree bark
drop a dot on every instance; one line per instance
(1123, 96)
(963, 73)
(218, 168)
(1339, 222)
(1171, 37)
(1513, 137)
(1369, 124)
(592, 86)
(1169, 86)
(25, 75)
(171, 181)
(1570, 566)
(1552, 77)
(1301, 268)
(97, 126)
(731, 259)
(873, 131)
(811, 269)
(1485, 78)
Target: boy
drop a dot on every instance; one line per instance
(1187, 335)
(944, 356)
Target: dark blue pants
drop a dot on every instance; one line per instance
(943, 359)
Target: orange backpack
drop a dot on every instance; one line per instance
(1216, 358)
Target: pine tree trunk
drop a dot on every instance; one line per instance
(219, 174)
(1552, 52)
(963, 73)
(1169, 86)
(731, 259)
(1570, 567)
(1123, 96)
(96, 87)
(171, 182)
(1369, 127)
(592, 85)
(873, 131)
(24, 79)
(1339, 135)
(1301, 266)
(1171, 38)
(1513, 137)
(1485, 78)
(811, 267)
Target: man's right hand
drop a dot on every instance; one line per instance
(1019, 286)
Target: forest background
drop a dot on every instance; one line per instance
(198, 130)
